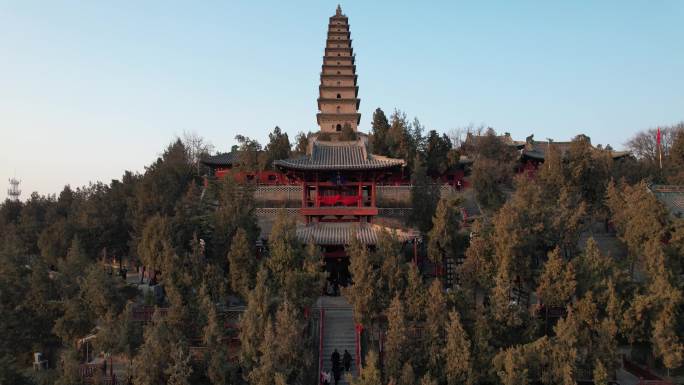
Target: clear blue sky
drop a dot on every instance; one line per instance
(89, 89)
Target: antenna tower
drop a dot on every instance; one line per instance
(13, 191)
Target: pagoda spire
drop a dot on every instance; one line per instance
(338, 102)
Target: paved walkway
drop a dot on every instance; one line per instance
(338, 333)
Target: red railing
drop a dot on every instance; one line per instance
(332, 200)
(321, 329)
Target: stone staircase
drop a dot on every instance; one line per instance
(338, 333)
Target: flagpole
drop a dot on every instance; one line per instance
(660, 148)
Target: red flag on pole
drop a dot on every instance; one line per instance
(660, 150)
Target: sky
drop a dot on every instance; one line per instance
(89, 89)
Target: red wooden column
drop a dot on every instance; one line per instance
(359, 195)
(359, 329)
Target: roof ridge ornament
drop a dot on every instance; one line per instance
(338, 12)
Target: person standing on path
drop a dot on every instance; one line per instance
(346, 360)
(336, 368)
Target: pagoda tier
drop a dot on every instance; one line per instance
(338, 100)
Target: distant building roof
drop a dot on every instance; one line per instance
(537, 149)
(340, 233)
(473, 140)
(224, 159)
(672, 197)
(339, 155)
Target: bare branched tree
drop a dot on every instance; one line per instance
(644, 144)
(197, 147)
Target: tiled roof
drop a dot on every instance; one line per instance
(672, 197)
(224, 159)
(340, 155)
(537, 150)
(339, 233)
(474, 140)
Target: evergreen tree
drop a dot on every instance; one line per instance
(154, 243)
(253, 321)
(408, 377)
(379, 129)
(444, 239)
(511, 367)
(424, 197)
(179, 369)
(153, 358)
(392, 278)
(476, 273)
(278, 146)
(396, 344)
(69, 368)
(435, 324)
(301, 143)
(437, 153)
(348, 133)
(71, 268)
(414, 295)
(362, 293)
(600, 375)
(370, 375)
(235, 210)
(458, 366)
(190, 219)
(242, 264)
(557, 281)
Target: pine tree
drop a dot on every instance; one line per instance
(511, 367)
(71, 268)
(388, 256)
(285, 250)
(253, 321)
(428, 380)
(370, 375)
(557, 281)
(179, 370)
(153, 358)
(564, 350)
(444, 238)
(414, 295)
(242, 264)
(278, 147)
(408, 377)
(396, 344)
(380, 128)
(457, 354)
(155, 241)
(600, 374)
(476, 273)
(435, 324)
(362, 293)
(69, 368)
(424, 197)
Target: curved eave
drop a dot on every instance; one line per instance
(287, 165)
